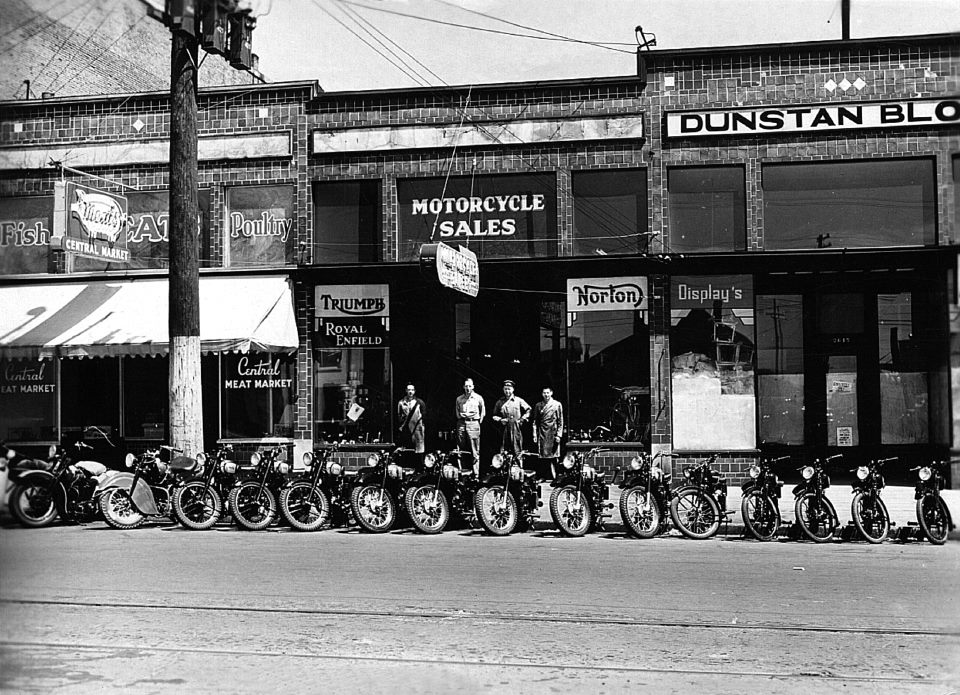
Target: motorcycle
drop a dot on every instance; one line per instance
(509, 496)
(253, 502)
(378, 489)
(932, 512)
(700, 504)
(127, 498)
(869, 513)
(645, 497)
(579, 498)
(320, 499)
(60, 486)
(442, 489)
(760, 505)
(814, 512)
(198, 502)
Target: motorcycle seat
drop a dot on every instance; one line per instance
(92, 467)
(183, 463)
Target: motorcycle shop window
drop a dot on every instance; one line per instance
(708, 211)
(712, 365)
(610, 212)
(849, 204)
(904, 391)
(259, 227)
(28, 401)
(346, 222)
(258, 395)
(352, 394)
(146, 385)
(780, 372)
(90, 394)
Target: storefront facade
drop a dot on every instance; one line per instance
(742, 250)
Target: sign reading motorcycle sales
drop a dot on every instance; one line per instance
(89, 222)
(606, 294)
(351, 316)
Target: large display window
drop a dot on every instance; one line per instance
(346, 222)
(708, 209)
(259, 227)
(780, 368)
(610, 212)
(25, 225)
(258, 395)
(28, 400)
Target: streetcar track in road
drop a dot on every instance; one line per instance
(793, 675)
(501, 617)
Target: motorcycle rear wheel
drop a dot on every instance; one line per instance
(817, 517)
(373, 508)
(641, 519)
(761, 515)
(934, 519)
(571, 511)
(32, 505)
(305, 507)
(428, 508)
(496, 510)
(696, 514)
(118, 510)
(252, 509)
(871, 517)
(195, 509)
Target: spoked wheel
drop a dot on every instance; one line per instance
(496, 510)
(870, 516)
(817, 517)
(428, 508)
(570, 510)
(305, 507)
(641, 517)
(696, 514)
(934, 518)
(32, 505)
(196, 508)
(373, 507)
(252, 508)
(761, 515)
(118, 509)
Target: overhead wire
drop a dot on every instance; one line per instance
(93, 33)
(52, 21)
(73, 32)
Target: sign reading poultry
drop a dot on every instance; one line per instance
(89, 222)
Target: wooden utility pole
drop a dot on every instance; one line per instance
(186, 405)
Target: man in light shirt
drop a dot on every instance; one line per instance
(470, 413)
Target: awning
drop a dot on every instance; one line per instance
(129, 317)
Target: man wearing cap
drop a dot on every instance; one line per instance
(548, 428)
(511, 411)
(470, 413)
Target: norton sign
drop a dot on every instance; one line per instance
(606, 294)
(90, 222)
(351, 316)
(814, 118)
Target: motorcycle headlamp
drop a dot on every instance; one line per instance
(429, 460)
(255, 458)
(394, 471)
(516, 473)
(307, 460)
(497, 461)
(754, 471)
(283, 467)
(161, 465)
(863, 472)
(51, 452)
(228, 467)
(686, 472)
(635, 463)
(568, 461)
(129, 460)
(334, 468)
(656, 472)
(925, 473)
(11, 454)
(201, 459)
(373, 459)
(450, 472)
(588, 472)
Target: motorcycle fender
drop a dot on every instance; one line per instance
(44, 479)
(565, 479)
(141, 496)
(630, 482)
(748, 485)
(799, 490)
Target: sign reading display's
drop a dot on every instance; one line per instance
(351, 316)
(90, 223)
(813, 118)
(708, 291)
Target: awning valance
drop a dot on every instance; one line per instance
(129, 317)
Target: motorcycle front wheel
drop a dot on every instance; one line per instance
(195, 508)
(304, 507)
(817, 517)
(373, 508)
(696, 514)
(118, 510)
(761, 515)
(870, 516)
(32, 505)
(641, 519)
(570, 510)
(496, 510)
(934, 519)
(252, 508)
(428, 508)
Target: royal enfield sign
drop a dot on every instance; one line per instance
(707, 291)
(90, 223)
(351, 316)
(775, 120)
(457, 269)
(606, 294)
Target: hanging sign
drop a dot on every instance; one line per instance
(457, 269)
(351, 316)
(606, 294)
(89, 222)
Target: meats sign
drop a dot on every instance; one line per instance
(89, 222)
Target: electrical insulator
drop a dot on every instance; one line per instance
(240, 50)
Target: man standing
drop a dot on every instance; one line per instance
(410, 412)
(548, 427)
(470, 413)
(511, 411)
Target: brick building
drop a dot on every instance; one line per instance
(738, 250)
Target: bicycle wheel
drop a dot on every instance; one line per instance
(870, 516)
(816, 516)
(934, 518)
(761, 515)
(695, 513)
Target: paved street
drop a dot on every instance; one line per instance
(163, 610)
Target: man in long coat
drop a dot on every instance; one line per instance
(548, 426)
(511, 411)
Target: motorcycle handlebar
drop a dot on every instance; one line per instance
(171, 448)
(835, 456)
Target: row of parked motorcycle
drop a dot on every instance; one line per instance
(438, 489)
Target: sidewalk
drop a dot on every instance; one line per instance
(899, 500)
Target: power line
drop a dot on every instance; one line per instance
(72, 33)
(77, 52)
(46, 26)
(105, 49)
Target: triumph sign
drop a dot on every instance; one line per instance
(89, 222)
(351, 316)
